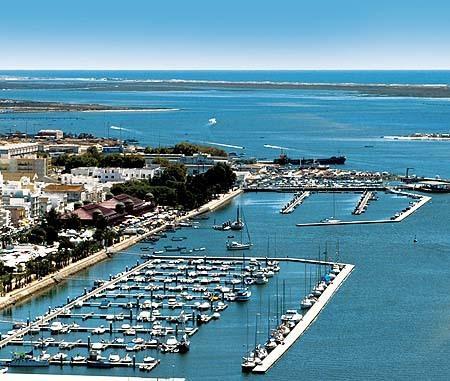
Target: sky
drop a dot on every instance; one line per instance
(227, 34)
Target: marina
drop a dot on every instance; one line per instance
(189, 281)
(362, 318)
(149, 308)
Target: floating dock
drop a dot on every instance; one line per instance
(296, 201)
(307, 320)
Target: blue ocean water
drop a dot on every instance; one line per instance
(306, 122)
(390, 319)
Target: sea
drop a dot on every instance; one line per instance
(390, 319)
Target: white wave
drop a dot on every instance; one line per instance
(119, 128)
(277, 147)
(224, 145)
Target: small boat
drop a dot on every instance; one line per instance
(59, 357)
(78, 359)
(3, 370)
(306, 303)
(292, 316)
(271, 344)
(330, 220)
(183, 345)
(260, 278)
(56, 328)
(234, 245)
(95, 360)
(150, 360)
(238, 224)
(248, 364)
(212, 121)
(99, 330)
(242, 294)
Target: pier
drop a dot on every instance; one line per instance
(398, 217)
(363, 202)
(296, 201)
(306, 321)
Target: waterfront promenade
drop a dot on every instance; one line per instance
(50, 280)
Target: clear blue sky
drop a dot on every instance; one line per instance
(223, 34)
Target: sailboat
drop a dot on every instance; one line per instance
(333, 219)
(235, 245)
(238, 224)
(242, 294)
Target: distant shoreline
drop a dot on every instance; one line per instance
(369, 89)
(9, 106)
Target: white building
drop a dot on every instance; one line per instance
(5, 215)
(195, 164)
(110, 175)
(17, 150)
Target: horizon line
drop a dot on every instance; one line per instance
(226, 69)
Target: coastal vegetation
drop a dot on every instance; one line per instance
(47, 233)
(175, 188)
(93, 158)
(187, 149)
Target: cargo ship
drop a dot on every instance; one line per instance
(333, 160)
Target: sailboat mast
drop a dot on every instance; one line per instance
(268, 316)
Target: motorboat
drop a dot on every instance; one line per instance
(242, 294)
(234, 245)
(291, 316)
(183, 344)
(260, 278)
(56, 327)
(306, 303)
(330, 220)
(248, 364)
(59, 357)
(78, 359)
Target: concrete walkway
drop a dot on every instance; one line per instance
(307, 320)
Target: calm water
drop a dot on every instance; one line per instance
(307, 123)
(390, 319)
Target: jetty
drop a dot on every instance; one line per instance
(305, 322)
(296, 201)
(398, 217)
(361, 206)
